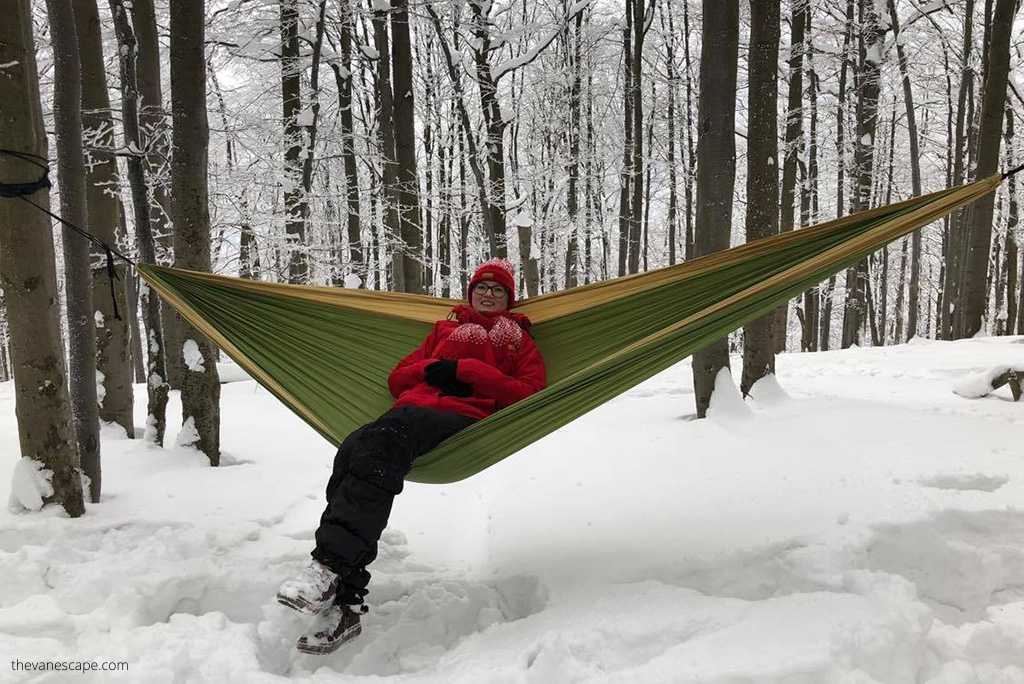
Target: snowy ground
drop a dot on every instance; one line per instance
(865, 525)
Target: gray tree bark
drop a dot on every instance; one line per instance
(28, 276)
(829, 294)
(762, 218)
(794, 146)
(67, 116)
(113, 358)
(956, 243)
(407, 189)
(386, 135)
(975, 295)
(716, 164)
(637, 101)
(200, 392)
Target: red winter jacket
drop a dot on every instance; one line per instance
(496, 357)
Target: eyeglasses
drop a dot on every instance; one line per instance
(483, 288)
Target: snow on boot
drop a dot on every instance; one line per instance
(337, 626)
(312, 591)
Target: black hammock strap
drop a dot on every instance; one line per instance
(23, 190)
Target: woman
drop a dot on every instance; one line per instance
(478, 361)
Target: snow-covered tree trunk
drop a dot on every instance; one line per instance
(5, 359)
(200, 392)
(495, 146)
(671, 220)
(296, 204)
(343, 78)
(572, 200)
(156, 383)
(386, 135)
(812, 297)
(871, 47)
(154, 139)
(29, 281)
(113, 361)
(627, 173)
(138, 357)
(716, 164)
(762, 219)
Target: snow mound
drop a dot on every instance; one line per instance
(979, 384)
(30, 484)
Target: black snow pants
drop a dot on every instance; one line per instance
(369, 471)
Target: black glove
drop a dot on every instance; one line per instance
(441, 374)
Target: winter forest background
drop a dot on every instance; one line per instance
(392, 145)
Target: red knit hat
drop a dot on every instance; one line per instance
(500, 271)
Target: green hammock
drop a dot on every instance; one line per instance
(326, 352)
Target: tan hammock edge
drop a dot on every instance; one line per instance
(201, 298)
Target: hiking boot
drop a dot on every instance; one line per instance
(333, 628)
(312, 592)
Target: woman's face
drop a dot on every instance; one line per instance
(488, 296)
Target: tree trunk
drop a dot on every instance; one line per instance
(1012, 272)
(571, 267)
(296, 203)
(812, 297)
(5, 360)
(200, 393)
(386, 135)
(67, 117)
(969, 322)
(691, 155)
(154, 139)
(826, 316)
(495, 127)
(794, 145)
(762, 218)
(915, 175)
(716, 164)
(407, 177)
(112, 336)
(157, 387)
(957, 243)
(670, 60)
(138, 358)
(901, 287)
(872, 39)
(637, 185)
(343, 77)
(628, 174)
(27, 274)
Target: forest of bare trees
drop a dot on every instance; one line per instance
(391, 145)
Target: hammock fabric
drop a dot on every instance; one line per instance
(326, 352)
